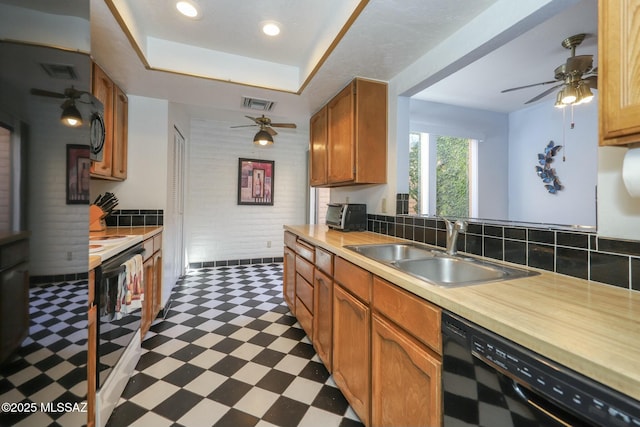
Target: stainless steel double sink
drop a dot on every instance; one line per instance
(437, 267)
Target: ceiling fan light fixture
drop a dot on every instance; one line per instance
(559, 103)
(263, 138)
(71, 116)
(585, 94)
(569, 95)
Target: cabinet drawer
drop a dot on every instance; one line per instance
(324, 261)
(353, 278)
(290, 240)
(304, 268)
(157, 242)
(304, 292)
(415, 315)
(304, 317)
(305, 250)
(14, 253)
(148, 249)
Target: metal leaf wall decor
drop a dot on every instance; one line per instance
(545, 171)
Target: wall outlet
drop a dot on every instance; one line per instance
(268, 243)
(347, 201)
(69, 256)
(384, 205)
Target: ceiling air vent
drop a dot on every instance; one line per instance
(257, 104)
(60, 71)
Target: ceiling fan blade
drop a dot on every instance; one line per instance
(284, 125)
(526, 86)
(270, 131)
(543, 94)
(41, 92)
(243, 126)
(253, 119)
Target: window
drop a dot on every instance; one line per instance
(442, 179)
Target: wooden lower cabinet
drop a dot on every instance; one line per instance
(351, 350)
(289, 279)
(152, 275)
(157, 283)
(323, 317)
(406, 379)
(147, 305)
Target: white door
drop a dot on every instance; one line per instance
(178, 201)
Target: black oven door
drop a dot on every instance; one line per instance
(115, 328)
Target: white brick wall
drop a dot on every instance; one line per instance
(56, 228)
(217, 227)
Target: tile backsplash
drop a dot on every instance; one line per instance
(135, 218)
(574, 253)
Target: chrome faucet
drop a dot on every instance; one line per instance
(453, 228)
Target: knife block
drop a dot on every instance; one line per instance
(96, 219)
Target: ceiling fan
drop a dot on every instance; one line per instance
(70, 114)
(576, 77)
(266, 133)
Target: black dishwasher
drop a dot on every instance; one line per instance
(489, 381)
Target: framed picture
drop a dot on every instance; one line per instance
(78, 179)
(255, 182)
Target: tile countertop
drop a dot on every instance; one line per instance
(591, 328)
(143, 233)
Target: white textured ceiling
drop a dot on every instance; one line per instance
(387, 37)
(530, 58)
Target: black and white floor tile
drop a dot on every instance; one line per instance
(229, 353)
(50, 367)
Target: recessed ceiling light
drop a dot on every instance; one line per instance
(271, 29)
(188, 8)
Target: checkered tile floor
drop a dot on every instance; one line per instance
(50, 367)
(230, 354)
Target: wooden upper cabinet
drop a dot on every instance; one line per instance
(120, 130)
(318, 148)
(619, 71)
(356, 137)
(341, 149)
(114, 156)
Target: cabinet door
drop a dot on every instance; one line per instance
(120, 117)
(371, 132)
(289, 279)
(619, 71)
(318, 148)
(340, 118)
(147, 305)
(102, 88)
(351, 351)
(157, 283)
(406, 379)
(323, 317)
(14, 308)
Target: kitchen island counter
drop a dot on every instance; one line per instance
(589, 327)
